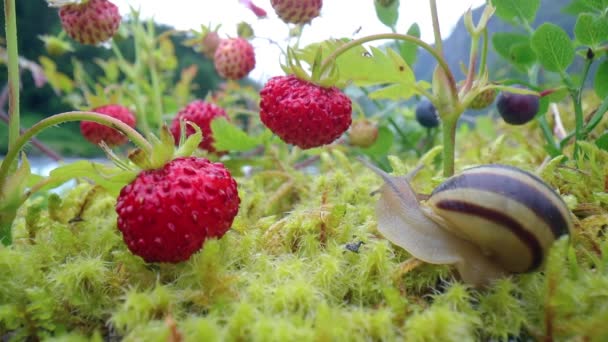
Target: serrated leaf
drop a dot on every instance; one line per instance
(602, 142)
(408, 50)
(553, 47)
(601, 80)
(388, 15)
(363, 68)
(591, 30)
(59, 81)
(228, 137)
(112, 179)
(514, 47)
(515, 11)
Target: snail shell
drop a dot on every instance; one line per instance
(488, 221)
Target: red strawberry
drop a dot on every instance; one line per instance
(91, 22)
(303, 113)
(201, 113)
(96, 133)
(165, 215)
(297, 12)
(234, 58)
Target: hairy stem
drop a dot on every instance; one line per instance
(10, 16)
(105, 120)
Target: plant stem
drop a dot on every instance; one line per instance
(468, 83)
(158, 96)
(10, 16)
(436, 27)
(395, 36)
(106, 120)
(449, 143)
(484, 54)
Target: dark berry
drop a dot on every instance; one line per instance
(517, 109)
(426, 114)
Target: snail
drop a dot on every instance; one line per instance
(488, 221)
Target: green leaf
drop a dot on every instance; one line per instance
(602, 142)
(591, 30)
(383, 143)
(388, 15)
(514, 47)
(515, 11)
(228, 137)
(601, 80)
(407, 50)
(553, 47)
(111, 178)
(585, 6)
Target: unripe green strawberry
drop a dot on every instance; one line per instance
(484, 99)
(166, 214)
(96, 133)
(363, 133)
(297, 12)
(234, 58)
(91, 22)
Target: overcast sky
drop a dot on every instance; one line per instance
(339, 18)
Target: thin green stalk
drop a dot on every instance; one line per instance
(449, 143)
(484, 54)
(395, 36)
(158, 96)
(555, 149)
(10, 16)
(436, 27)
(50, 121)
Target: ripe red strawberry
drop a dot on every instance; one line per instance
(201, 113)
(166, 214)
(91, 22)
(234, 58)
(96, 133)
(303, 113)
(297, 12)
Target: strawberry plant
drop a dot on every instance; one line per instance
(244, 213)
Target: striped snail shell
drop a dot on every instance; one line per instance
(488, 221)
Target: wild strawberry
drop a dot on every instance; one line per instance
(166, 214)
(363, 133)
(96, 133)
(297, 12)
(234, 58)
(201, 113)
(90, 22)
(303, 113)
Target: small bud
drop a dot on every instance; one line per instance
(363, 133)
(483, 99)
(444, 91)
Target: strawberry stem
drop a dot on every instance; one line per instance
(395, 36)
(13, 71)
(105, 120)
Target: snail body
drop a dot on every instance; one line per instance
(488, 221)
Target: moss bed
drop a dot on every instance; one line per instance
(290, 269)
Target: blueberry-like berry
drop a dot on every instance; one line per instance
(517, 109)
(426, 114)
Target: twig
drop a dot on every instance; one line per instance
(558, 130)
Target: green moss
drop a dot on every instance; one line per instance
(283, 271)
